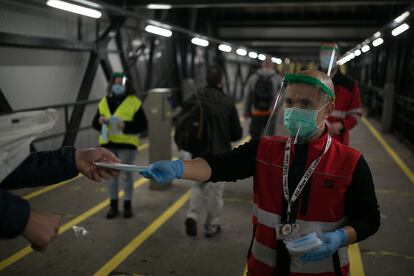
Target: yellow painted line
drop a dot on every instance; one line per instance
(50, 188)
(55, 186)
(389, 254)
(245, 271)
(356, 267)
(392, 153)
(92, 211)
(143, 236)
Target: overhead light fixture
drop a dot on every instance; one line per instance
(252, 54)
(199, 41)
(357, 52)
(158, 6)
(261, 57)
(377, 34)
(276, 60)
(365, 48)
(400, 29)
(158, 31)
(241, 52)
(351, 55)
(74, 8)
(224, 48)
(402, 17)
(377, 42)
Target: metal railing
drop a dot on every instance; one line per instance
(65, 107)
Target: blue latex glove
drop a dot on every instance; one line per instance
(332, 241)
(164, 171)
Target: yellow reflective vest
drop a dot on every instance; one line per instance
(125, 111)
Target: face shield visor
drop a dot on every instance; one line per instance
(328, 57)
(118, 84)
(300, 108)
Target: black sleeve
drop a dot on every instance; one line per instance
(236, 164)
(43, 168)
(138, 124)
(236, 130)
(361, 207)
(95, 122)
(14, 214)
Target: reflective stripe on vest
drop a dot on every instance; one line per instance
(126, 112)
(268, 256)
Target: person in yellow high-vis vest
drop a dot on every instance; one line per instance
(120, 118)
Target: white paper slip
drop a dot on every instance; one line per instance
(120, 167)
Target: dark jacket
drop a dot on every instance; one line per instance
(223, 123)
(40, 168)
(138, 124)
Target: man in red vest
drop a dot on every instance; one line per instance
(347, 110)
(313, 196)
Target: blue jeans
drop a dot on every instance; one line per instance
(126, 156)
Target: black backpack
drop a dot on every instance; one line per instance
(190, 126)
(263, 93)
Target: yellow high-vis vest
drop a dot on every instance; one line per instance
(126, 112)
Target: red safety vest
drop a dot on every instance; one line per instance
(347, 105)
(325, 208)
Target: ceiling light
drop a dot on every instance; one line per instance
(276, 60)
(377, 34)
(377, 42)
(400, 29)
(241, 52)
(402, 17)
(74, 8)
(365, 48)
(158, 31)
(224, 48)
(158, 6)
(199, 41)
(357, 52)
(262, 57)
(253, 54)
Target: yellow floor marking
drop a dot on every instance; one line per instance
(245, 271)
(55, 186)
(143, 236)
(356, 266)
(50, 188)
(389, 254)
(392, 153)
(92, 211)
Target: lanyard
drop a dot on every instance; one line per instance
(305, 177)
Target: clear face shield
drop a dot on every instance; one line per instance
(328, 57)
(118, 84)
(300, 108)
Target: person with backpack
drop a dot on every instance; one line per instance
(260, 93)
(120, 118)
(207, 124)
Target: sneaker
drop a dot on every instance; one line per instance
(210, 233)
(191, 227)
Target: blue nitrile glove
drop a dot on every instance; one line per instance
(332, 241)
(164, 171)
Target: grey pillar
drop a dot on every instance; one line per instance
(158, 112)
(388, 106)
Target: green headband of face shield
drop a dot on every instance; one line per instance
(118, 75)
(329, 48)
(299, 78)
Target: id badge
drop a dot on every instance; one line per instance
(287, 231)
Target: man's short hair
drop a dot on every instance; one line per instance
(214, 75)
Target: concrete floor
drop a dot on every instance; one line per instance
(168, 251)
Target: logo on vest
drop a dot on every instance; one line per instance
(328, 183)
